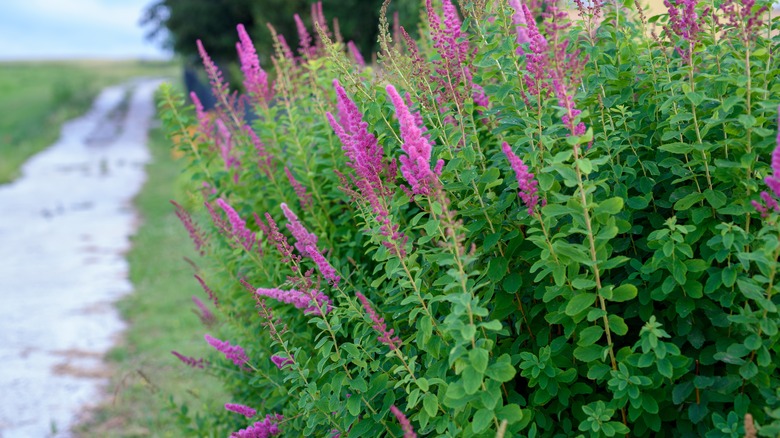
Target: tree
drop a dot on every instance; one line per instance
(180, 22)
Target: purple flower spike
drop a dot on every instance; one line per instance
(299, 299)
(233, 353)
(239, 230)
(261, 429)
(205, 315)
(255, 78)
(241, 409)
(280, 361)
(356, 54)
(521, 22)
(385, 335)
(189, 361)
(525, 180)
(405, 425)
(302, 236)
(416, 164)
(306, 50)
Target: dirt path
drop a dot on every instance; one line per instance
(64, 229)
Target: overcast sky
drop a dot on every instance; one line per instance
(57, 29)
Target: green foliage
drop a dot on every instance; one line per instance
(638, 298)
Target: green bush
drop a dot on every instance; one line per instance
(585, 250)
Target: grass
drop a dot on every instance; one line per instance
(36, 98)
(160, 320)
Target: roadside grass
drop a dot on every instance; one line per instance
(36, 98)
(159, 319)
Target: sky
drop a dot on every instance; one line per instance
(62, 29)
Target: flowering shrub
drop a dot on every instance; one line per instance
(520, 223)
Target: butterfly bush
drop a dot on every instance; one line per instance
(515, 224)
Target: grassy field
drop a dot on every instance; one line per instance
(37, 97)
(160, 320)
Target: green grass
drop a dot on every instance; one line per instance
(37, 97)
(146, 374)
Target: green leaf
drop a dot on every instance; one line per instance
(590, 336)
(497, 269)
(665, 367)
(610, 206)
(687, 201)
(479, 359)
(430, 404)
(624, 292)
(695, 97)
(482, 419)
(677, 148)
(716, 199)
(589, 353)
(353, 406)
(501, 371)
(579, 303)
(511, 413)
(617, 325)
(472, 380)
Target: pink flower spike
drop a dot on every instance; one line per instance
(405, 425)
(303, 198)
(776, 152)
(195, 233)
(302, 236)
(306, 50)
(520, 21)
(234, 353)
(241, 409)
(280, 361)
(299, 299)
(385, 335)
(189, 361)
(204, 121)
(218, 84)
(243, 234)
(208, 290)
(255, 78)
(525, 180)
(415, 165)
(205, 315)
(356, 53)
(261, 429)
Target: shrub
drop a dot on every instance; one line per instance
(518, 224)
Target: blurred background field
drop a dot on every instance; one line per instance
(36, 97)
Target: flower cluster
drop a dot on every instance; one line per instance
(525, 180)
(280, 361)
(234, 353)
(195, 233)
(304, 198)
(772, 181)
(205, 315)
(366, 157)
(416, 164)
(385, 335)
(241, 409)
(300, 299)
(306, 244)
(239, 231)
(255, 78)
(405, 425)
(189, 361)
(207, 289)
(261, 429)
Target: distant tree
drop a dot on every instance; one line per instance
(178, 23)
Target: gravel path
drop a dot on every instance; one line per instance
(64, 229)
